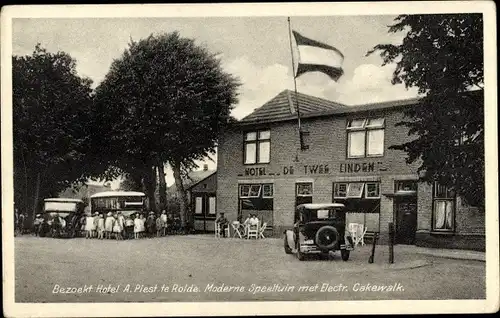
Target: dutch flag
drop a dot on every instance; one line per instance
(315, 56)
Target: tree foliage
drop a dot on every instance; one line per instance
(51, 107)
(442, 55)
(164, 100)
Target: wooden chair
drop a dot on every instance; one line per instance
(262, 229)
(236, 228)
(218, 231)
(361, 234)
(253, 231)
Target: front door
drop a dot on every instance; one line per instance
(406, 216)
(204, 211)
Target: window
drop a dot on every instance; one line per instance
(340, 190)
(304, 189)
(256, 196)
(355, 190)
(405, 185)
(211, 205)
(250, 190)
(303, 193)
(198, 209)
(257, 147)
(267, 190)
(443, 209)
(365, 137)
(371, 190)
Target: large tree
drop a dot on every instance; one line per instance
(164, 101)
(51, 107)
(442, 55)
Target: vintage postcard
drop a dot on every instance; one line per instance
(249, 159)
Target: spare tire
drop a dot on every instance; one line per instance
(327, 237)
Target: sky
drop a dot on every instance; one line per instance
(255, 49)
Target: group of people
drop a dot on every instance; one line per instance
(252, 221)
(134, 226)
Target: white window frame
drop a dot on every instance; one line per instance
(304, 195)
(258, 193)
(263, 191)
(447, 198)
(365, 127)
(377, 184)
(248, 192)
(257, 141)
(336, 184)
(360, 193)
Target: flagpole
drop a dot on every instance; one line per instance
(294, 78)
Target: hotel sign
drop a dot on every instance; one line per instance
(317, 169)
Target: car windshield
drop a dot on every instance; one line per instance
(309, 215)
(60, 206)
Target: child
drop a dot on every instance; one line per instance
(129, 227)
(117, 229)
(108, 225)
(89, 224)
(100, 227)
(137, 226)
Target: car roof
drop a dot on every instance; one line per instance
(117, 194)
(315, 206)
(62, 200)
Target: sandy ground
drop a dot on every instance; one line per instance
(182, 268)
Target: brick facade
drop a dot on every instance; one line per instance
(326, 162)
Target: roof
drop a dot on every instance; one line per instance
(117, 194)
(284, 105)
(62, 200)
(283, 108)
(315, 206)
(193, 178)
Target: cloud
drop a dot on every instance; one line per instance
(369, 84)
(372, 83)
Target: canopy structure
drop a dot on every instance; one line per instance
(315, 206)
(63, 200)
(108, 194)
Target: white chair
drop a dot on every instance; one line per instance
(218, 231)
(361, 234)
(253, 231)
(236, 229)
(353, 230)
(262, 229)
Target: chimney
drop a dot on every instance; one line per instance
(205, 167)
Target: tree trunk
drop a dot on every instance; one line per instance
(162, 187)
(176, 167)
(36, 197)
(150, 185)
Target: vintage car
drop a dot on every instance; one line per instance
(319, 229)
(61, 217)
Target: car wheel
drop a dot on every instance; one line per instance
(345, 255)
(327, 237)
(288, 250)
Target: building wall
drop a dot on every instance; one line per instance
(324, 163)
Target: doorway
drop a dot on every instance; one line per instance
(406, 220)
(204, 211)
